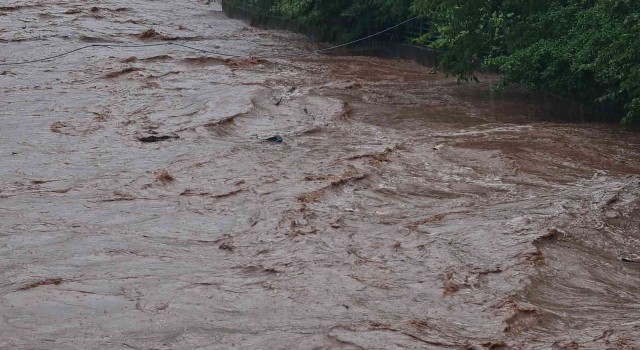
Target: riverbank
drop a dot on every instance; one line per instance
(371, 47)
(555, 108)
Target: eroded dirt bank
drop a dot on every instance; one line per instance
(139, 211)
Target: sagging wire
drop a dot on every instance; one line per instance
(300, 54)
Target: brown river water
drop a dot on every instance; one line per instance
(402, 210)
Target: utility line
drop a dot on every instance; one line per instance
(76, 50)
(302, 54)
(351, 42)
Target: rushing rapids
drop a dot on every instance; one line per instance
(139, 209)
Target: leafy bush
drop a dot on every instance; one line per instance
(585, 49)
(343, 20)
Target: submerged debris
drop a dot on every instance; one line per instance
(226, 246)
(204, 60)
(47, 282)
(150, 34)
(243, 62)
(450, 286)
(273, 139)
(163, 176)
(122, 72)
(154, 138)
(57, 127)
(630, 259)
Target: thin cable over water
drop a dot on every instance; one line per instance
(301, 54)
(66, 53)
(351, 42)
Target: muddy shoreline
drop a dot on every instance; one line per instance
(139, 208)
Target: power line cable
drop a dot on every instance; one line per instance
(348, 43)
(66, 53)
(301, 54)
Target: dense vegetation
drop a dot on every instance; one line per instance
(583, 49)
(586, 49)
(343, 20)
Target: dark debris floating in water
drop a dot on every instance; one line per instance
(154, 138)
(273, 139)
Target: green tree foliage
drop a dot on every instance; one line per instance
(343, 20)
(586, 49)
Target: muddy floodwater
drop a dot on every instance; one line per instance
(139, 208)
